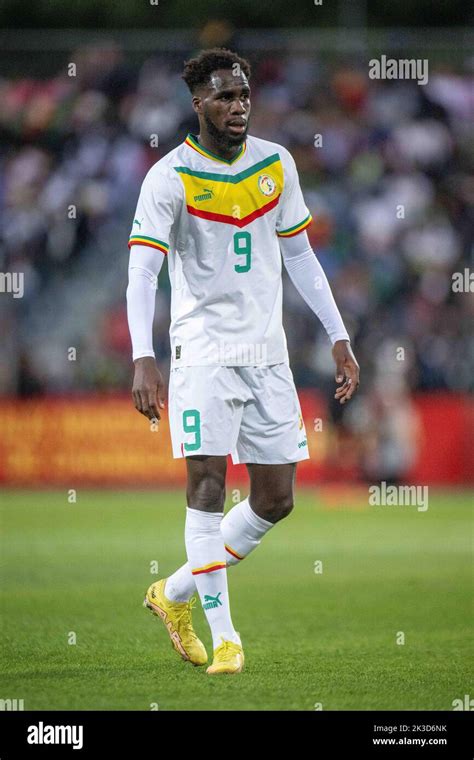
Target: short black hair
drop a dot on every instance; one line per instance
(197, 71)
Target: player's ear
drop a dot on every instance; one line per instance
(197, 103)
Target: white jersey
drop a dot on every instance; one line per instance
(218, 222)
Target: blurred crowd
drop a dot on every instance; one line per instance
(390, 184)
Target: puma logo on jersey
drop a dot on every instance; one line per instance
(205, 196)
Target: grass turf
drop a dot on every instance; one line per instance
(328, 638)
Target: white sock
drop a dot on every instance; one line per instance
(207, 560)
(242, 531)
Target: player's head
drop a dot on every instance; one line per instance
(218, 80)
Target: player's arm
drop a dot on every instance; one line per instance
(148, 388)
(310, 280)
(149, 244)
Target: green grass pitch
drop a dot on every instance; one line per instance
(327, 638)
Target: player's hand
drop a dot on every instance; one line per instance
(347, 370)
(148, 389)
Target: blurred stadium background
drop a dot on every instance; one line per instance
(67, 420)
(83, 143)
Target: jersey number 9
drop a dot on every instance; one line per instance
(243, 247)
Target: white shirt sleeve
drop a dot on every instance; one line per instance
(311, 282)
(293, 214)
(144, 267)
(159, 202)
(161, 196)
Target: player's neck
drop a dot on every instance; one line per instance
(210, 144)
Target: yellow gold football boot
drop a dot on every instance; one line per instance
(177, 618)
(228, 658)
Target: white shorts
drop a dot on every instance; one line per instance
(252, 413)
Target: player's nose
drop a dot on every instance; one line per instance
(237, 108)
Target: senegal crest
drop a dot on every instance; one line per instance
(266, 185)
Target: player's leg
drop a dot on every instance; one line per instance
(244, 526)
(205, 412)
(207, 557)
(272, 439)
(191, 393)
(205, 544)
(271, 490)
(217, 414)
(205, 571)
(242, 530)
(271, 430)
(215, 392)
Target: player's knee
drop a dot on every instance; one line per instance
(206, 483)
(273, 508)
(207, 492)
(284, 506)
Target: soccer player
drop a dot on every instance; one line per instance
(225, 208)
